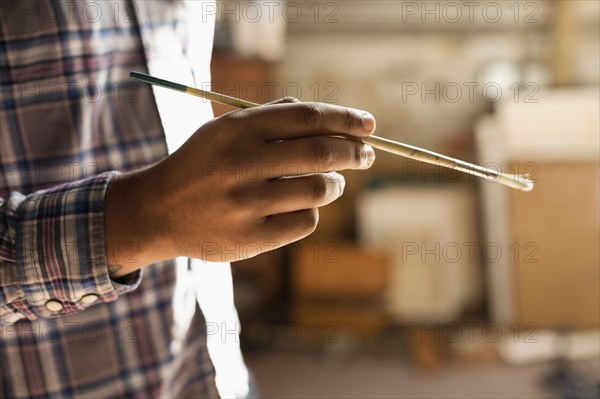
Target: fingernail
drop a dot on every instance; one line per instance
(368, 122)
(370, 155)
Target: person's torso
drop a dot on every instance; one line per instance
(68, 110)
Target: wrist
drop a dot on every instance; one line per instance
(131, 238)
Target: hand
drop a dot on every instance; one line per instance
(245, 183)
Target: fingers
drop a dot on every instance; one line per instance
(293, 194)
(285, 228)
(316, 155)
(297, 119)
(287, 194)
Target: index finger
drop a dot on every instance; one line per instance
(293, 120)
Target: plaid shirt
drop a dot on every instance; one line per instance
(70, 119)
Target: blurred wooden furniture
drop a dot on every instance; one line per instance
(339, 284)
(549, 276)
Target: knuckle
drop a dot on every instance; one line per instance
(359, 153)
(312, 115)
(235, 116)
(323, 152)
(320, 187)
(290, 99)
(309, 219)
(350, 121)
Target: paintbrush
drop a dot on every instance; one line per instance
(519, 182)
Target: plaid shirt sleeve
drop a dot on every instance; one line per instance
(68, 113)
(52, 252)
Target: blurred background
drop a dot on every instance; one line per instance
(421, 282)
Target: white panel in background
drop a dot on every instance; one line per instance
(429, 232)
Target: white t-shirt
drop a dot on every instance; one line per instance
(185, 58)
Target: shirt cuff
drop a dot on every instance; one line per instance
(60, 239)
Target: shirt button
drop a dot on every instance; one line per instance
(88, 299)
(54, 305)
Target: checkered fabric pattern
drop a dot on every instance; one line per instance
(70, 118)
